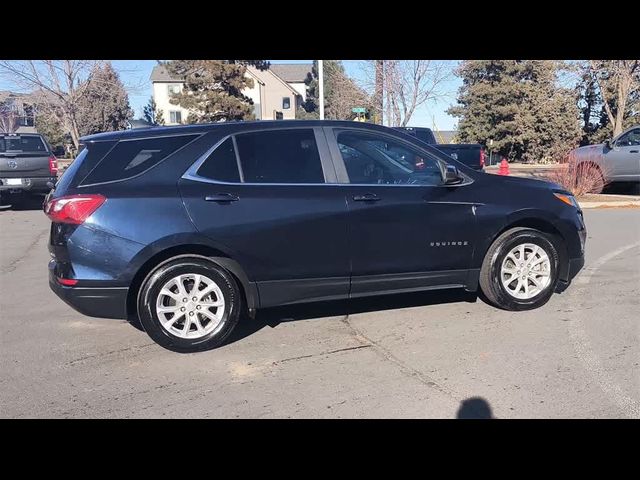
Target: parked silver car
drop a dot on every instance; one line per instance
(617, 160)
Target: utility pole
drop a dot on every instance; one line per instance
(378, 91)
(321, 88)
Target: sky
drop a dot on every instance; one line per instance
(135, 75)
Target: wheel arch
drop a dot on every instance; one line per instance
(220, 257)
(541, 224)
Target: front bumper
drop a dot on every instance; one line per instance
(28, 185)
(574, 266)
(102, 302)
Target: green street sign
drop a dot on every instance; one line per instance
(359, 110)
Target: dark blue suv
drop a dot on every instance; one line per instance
(187, 227)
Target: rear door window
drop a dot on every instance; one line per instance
(23, 143)
(132, 157)
(280, 156)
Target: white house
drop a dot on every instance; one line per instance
(276, 92)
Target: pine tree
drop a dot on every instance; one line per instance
(518, 105)
(159, 117)
(152, 114)
(105, 105)
(51, 128)
(213, 89)
(341, 93)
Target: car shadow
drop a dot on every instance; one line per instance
(272, 317)
(622, 189)
(22, 203)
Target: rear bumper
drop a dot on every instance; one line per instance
(98, 302)
(28, 184)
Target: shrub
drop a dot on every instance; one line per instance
(578, 178)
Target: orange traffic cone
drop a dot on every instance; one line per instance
(504, 167)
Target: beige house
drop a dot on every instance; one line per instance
(276, 92)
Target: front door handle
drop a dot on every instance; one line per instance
(633, 151)
(221, 197)
(367, 197)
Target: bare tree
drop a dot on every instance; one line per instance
(618, 82)
(58, 86)
(9, 119)
(407, 85)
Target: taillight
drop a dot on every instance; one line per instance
(73, 209)
(482, 157)
(53, 165)
(67, 282)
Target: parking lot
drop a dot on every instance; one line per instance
(408, 356)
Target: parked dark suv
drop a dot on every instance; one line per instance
(27, 165)
(186, 227)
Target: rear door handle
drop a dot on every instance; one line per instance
(633, 151)
(367, 197)
(221, 197)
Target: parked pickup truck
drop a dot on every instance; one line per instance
(616, 160)
(471, 154)
(27, 165)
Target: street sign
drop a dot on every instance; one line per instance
(359, 110)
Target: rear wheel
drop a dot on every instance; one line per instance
(189, 304)
(520, 270)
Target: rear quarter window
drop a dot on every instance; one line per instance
(221, 165)
(130, 158)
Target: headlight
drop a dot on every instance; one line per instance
(568, 199)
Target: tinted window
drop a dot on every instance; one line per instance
(282, 156)
(375, 160)
(86, 160)
(221, 164)
(132, 157)
(24, 143)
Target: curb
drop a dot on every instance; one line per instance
(623, 204)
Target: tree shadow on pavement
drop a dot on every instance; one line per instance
(474, 408)
(274, 316)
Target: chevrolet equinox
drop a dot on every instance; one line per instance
(186, 227)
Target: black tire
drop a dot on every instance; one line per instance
(490, 283)
(189, 264)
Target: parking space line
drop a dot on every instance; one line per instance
(582, 344)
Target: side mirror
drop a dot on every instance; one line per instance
(607, 143)
(452, 176)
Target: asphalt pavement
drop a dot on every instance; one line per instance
(430, 355)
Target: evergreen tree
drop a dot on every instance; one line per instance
(518, 105)
(159, 117)
(311, 105)
(213, 89)
(52, 130)
(341, 93)
(105, 105)
(152, 114)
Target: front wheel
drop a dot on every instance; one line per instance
(189, 304)
(520, 270)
